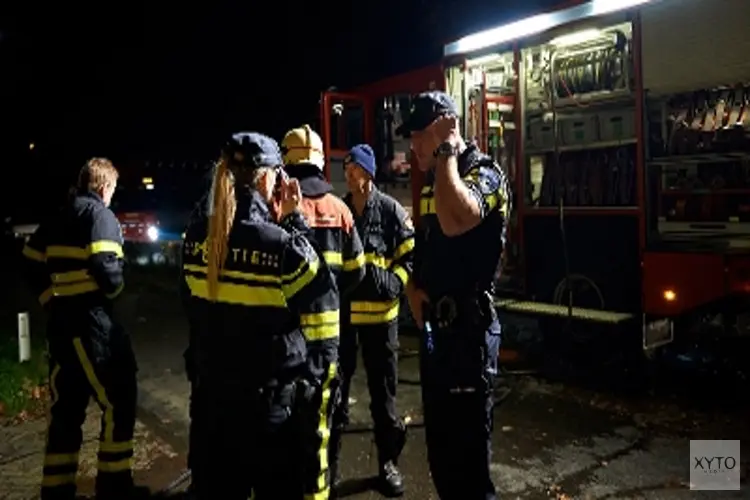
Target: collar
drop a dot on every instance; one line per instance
(349, 199)
(258, 207)
(312, 182)
(90, 195)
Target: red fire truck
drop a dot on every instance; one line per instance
(625, 128)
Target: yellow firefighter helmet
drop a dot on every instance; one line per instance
(303, 145)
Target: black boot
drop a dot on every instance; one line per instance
(391, 480)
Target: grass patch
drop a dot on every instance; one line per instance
(21, 384)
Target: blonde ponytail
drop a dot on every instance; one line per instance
(224, 207)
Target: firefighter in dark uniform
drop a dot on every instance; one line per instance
(388, 237)
(331, 224)
(329, 218)
(75, 265)
(459, 242)
(264, 315)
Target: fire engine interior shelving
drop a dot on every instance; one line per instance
(699, 169)
(563, 109)
(605, 172)
(624, 175)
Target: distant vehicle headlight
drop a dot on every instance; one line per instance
(153, 233)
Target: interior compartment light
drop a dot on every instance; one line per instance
(483, 59)
(576, 38)
(600, 7)
(536, 24)
(669, 295)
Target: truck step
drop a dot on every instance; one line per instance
(546, 309)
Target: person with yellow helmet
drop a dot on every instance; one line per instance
(331, 220)
(331, 224)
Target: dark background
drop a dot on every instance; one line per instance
(162, 80)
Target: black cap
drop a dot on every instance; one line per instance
(425, 109)
(253, 150)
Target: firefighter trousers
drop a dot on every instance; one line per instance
(457, 372)
(78, 372)
(380, 357)
(266, 445)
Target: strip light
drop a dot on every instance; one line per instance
(536, 24)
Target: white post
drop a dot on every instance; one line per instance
(24, 338)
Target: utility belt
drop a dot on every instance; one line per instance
(455, 342)
(472, 311)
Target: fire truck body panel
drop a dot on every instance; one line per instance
(626, 134)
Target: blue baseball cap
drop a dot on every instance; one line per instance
(364, 156)
(253, 150)
(425, 109)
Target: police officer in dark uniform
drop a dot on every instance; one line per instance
(388, 237)
(459, 242)
(264, 314)
(75, 264)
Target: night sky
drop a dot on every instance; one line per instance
(167, 80)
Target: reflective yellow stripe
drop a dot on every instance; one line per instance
(116, 446)
(68, 290)
(116, 292)
(320, 326)
(102, 246)
(52, 481)
(324, 433)
(355, 263)
(54, 459)
(31, 253)
(66, 252)
(373, 313)
(333, 258)
(401, 273)
(321, 495)
(427, 205)
(108, 423)
(70, 276)
(264, 278)
(299, 279)
(118, 466)
(377, 260)
(405, 247)
(233, 293)
(78, 253)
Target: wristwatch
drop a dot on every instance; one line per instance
(446, 149)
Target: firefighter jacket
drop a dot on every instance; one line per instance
(332, 227)
(464, 265)
(388, 237)
(75, 263)
(276, 314)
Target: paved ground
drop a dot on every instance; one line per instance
(551, 440)
(21, 458)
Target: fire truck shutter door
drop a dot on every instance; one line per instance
(695, 44)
